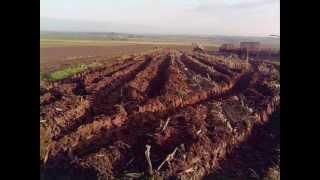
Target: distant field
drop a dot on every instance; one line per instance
(56, 54)
(46, 43)
(58, 57)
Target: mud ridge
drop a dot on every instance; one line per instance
(90, 106)
(171, 115)
(254, 157)
(204, 70)
(162, 76)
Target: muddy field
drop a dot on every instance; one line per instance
(56, 58)
(169, 114)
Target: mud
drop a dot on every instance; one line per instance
(190, 109)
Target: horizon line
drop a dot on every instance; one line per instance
(156, 34)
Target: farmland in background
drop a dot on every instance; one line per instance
(59, 50)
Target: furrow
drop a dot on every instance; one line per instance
(167, 102)
(205, 71)
(84, 138)
(176, 83)
(190, 109)
(157, 83)
(90, 106)
(134, 92)
(107, 71)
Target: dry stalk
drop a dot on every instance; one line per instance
(130, 161)
(198, 132)
(189, 170)
(254, 173)
(46, 155)
(147, 154)
(192, 169)
(121, 107)
(166, 124)
(59, 109)
(168, 158)
(208, 77)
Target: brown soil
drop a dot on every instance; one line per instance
(191, 109)
(252, 160)
(55, 58)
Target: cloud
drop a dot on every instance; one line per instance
(175, 16)
(253, 4)
(224, 6)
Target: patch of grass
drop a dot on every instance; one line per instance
(211, 47)
(43, 81)
(42, 76)
(181, 93)
(71, 71)
(215, 106)
(273, 174)
(196, 79)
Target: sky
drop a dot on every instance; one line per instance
(207, 17)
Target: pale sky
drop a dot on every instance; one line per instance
(224, 17)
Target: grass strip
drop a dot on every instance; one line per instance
(68, 72)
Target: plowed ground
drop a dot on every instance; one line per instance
(167, 114)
